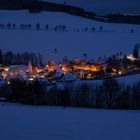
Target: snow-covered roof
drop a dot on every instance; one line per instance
(18, 67)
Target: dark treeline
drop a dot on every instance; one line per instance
(109, 94)
(121, 18)
(35, 6)
(10, 58)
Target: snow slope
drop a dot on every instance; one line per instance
(114, 38)
(124, 80)
(21, 122)
(129, 79)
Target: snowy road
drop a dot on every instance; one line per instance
(21, 122)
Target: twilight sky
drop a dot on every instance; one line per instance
(106, 6)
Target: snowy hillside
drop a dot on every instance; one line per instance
(126, 80)
(54, 123)
(73, 42)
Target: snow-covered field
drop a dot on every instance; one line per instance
(124, 80)
(21, 122)
(129, 79)
(113, 39)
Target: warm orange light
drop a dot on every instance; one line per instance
(66, 69)
(6, 69)
(38, 70)
(92, 68)
(4, 74)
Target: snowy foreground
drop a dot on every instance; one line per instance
(21, 122)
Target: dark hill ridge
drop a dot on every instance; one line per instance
(35, 6)
(120, 18)
(10, 5)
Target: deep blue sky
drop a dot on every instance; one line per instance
(106, 6)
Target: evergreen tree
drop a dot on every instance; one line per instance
(101, 28)
(29, 26)
(82, 95)
(40, 60)
(14, 25)
(0, 56)
(93, 29)
(9, 57)
(110, 88)
(85, 55)
(9, 25)
(46, 26)
(37, 26)
(136, 95)
(135, 51)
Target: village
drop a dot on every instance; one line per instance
(77, 69)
